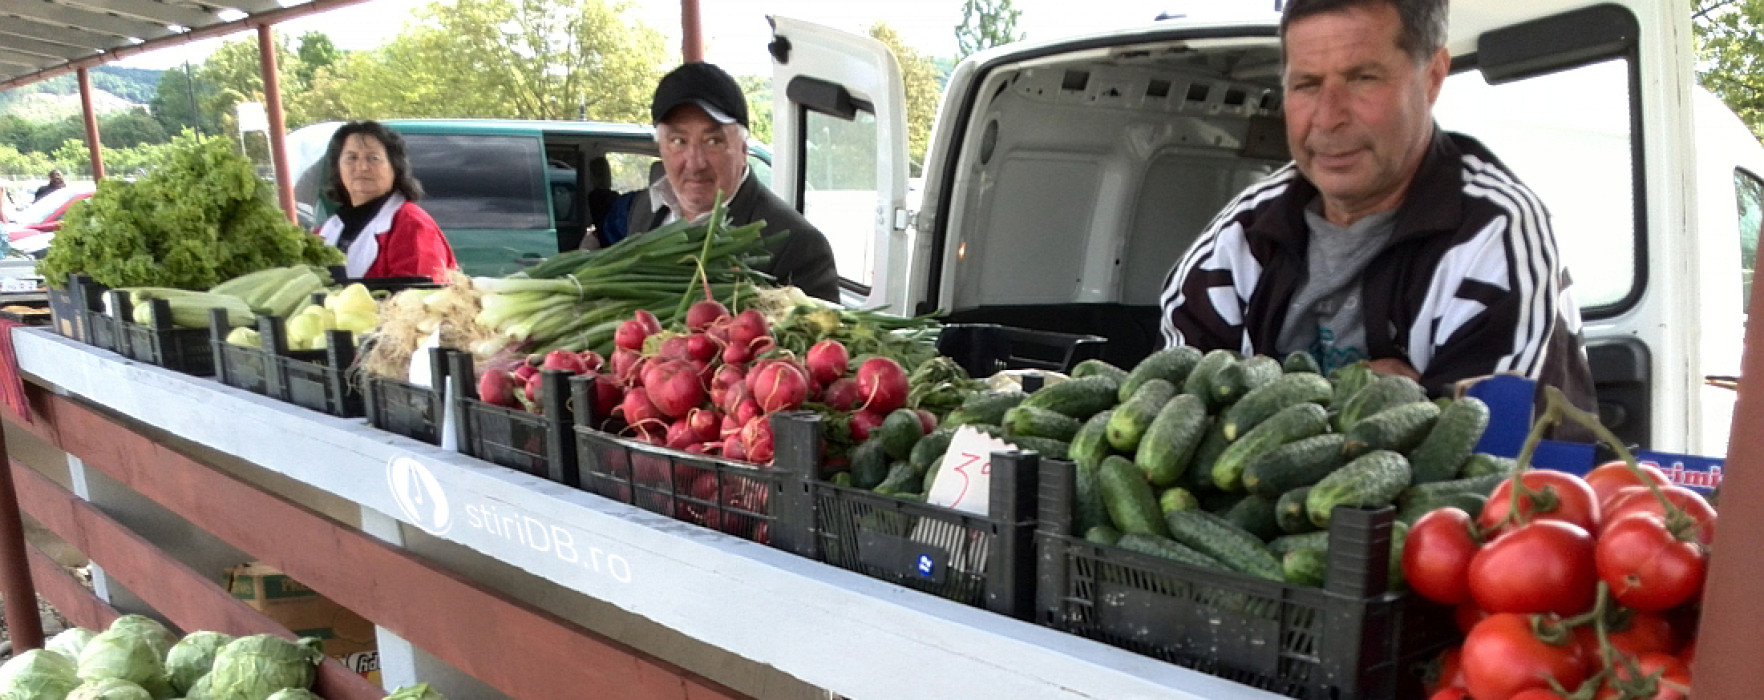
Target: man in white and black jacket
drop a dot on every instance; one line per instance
(1387, 239)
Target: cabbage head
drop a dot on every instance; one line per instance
(295, 694)
(120, 653)
(109, 689)
(38, 674)
(251, 668)
(70, 642)
(420, 691)
(148, 628)
(192, 657)
(200, 689)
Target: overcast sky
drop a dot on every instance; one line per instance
(736, 31)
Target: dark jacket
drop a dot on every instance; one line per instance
(802, 259)
(1470, 284)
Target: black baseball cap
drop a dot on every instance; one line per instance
(704, 85)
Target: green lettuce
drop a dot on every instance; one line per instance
(109, 689)
(192, 657)
(69, 642)
(251, 668)
(120, 652)
(38, 674)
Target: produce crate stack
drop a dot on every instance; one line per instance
(536, 444)
(313, 379)
(68, 307)
(408, 409)
(157, 343)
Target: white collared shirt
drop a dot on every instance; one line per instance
(661, 194)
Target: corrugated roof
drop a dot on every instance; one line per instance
(43, 38)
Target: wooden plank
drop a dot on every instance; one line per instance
(553, 657)
(76, 603)
(189, 599)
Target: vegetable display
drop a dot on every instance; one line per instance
(201, 217)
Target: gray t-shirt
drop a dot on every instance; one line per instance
(1326, 317)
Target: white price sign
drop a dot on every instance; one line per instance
(964, 482)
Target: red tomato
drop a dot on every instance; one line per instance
(1467, 615)
(1536, 694)
(1573, 500)
(1437, 553)
(1502, 657)
(1674, 677)
(1634, 498)
(1644, 632)
(1688, 654)
(1543, 566)
(1450, 694)
(1448, 672)
(1608, 478)
(1645, 566)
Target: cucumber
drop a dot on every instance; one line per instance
(1399, 536)
(1294, 422)
(985, 407)
(1102, 534)
(1088, 510)
(869, 464)
(899, 432)
(1318, 539)
(1200, 381)
(1128, 498)
(1305, 566)
(1410, 509)
(1048, 448)
(1218, 538)
(1267, 400)
(1349, 380)
(1374, 479)
(1199, 474)
(1294, 464)
(1078, 398)
(1098, 368)
(1289, 512)
(1171, 365)
(1256, 516)
(1031, 421)
(1091, 444)
(1301, 361)
(1454, 435)
(1232, 382)
(1168, 445)
(1220, 502)
(1384, 392)
(1484, 464)
(1438, 490)
(900, 479)
(929, 448)
(1168, 549)
(1177, 498)
(1398, 429)
(931, 474)
(1135, 415)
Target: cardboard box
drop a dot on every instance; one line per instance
(348, 637)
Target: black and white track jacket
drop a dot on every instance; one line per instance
(1470, 284)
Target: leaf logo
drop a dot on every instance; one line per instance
(419, 495)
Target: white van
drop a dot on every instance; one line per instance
(1064, 178)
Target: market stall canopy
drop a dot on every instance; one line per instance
(40, 39)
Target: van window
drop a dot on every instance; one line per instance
(480, 181)
(839, 188)
(1578, 160)
(1748, 191)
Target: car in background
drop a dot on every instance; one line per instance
(34, 226)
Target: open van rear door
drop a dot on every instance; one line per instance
(839, 152)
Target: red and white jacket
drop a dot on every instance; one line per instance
(400, 241)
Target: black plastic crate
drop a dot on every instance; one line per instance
(983, 349)
(538, 444)
(1349, 639)
(341, 278)
(68, 306)
(408, 409)
(311, 379)
(159, 342)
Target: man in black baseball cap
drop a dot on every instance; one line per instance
(701, 128)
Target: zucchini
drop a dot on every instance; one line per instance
(1168, 445)
(1128, 498)
(1294, 464)
(900, 479)
(1450, 442)
(929, 448)
(1234, 381)
(1098, 368)
(1135, 415)
(1305, 566)
(1032, 421)
(1167, 548)
(1294, 422)
(985, 407)
(1218, 538)
(1200, 381)
(1374, 479)
(1256, 516)
(1177, 498)
(1484, 464)
(1301, 361)
(869, 464)
(1091, 444)
(1078, 398)
(1171, 365)
(1289, 512)
(930, 475)
(1398, 429)
(1088, 510)
(1102, 534)
(1268, 399)
(1384, 392)
(899, 432)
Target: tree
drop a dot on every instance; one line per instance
(177, 105)
(758, 90)
(920, 78)
(1730, 55)
(985, 24)
(130, 128)
(316, 53)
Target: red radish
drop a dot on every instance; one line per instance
(760, 345)
(700, 347)
(680, 435)
(523, 372)
(827, 361)
(564, 360)
(748, 325)
(649, 321)
(733, 448)
(756, 436)
(704, 424)
(747, 410)
(927, 419)
(630, 335)
(883, 384)
(650, 470)
(532, 391)
(674, 348)
(592, 361)
(640, 413)
(606, 393)
(627, 364)
(732, 396)
(698, 448)
(674, 388)
(842, 395)
(704, 313)
(497, 387)
(722, 379)
(729, 427)
(778, 386)
(737, 354)
(862, 422)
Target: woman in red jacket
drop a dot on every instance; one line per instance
(378, 226)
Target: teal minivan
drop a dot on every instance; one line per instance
(507, 193)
